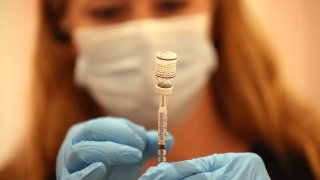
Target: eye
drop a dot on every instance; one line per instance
(112, 13)
(169, 6)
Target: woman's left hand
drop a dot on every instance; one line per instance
(247, 166)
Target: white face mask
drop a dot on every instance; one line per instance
(116, 65)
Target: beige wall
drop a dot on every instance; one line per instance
(17, 31)
(293, 26)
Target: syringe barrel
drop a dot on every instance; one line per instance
(162, 129)
(162, 124)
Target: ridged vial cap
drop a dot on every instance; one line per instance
(165, 66)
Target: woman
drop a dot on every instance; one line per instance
(242, 107)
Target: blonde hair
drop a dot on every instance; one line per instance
(250, 96)
(248, 93)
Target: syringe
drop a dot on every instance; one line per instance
(162, 129)
(165, 71)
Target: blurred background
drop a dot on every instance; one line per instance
(292, 26)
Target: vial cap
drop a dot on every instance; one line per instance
(167, 55)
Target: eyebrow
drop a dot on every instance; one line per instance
(87, 2)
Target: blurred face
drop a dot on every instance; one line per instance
(121, 53)
(82, 13)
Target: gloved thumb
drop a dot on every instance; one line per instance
(152, 144)
(95, 171)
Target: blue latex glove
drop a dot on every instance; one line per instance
(242, 166)
(106, 148)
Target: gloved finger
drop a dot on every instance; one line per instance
(152, 144)
(182, 169)
(84, 153)
(111, 129)
(232, 165)
(139, 130)
(207, 176)
(167, 171)
(95, 171)
(236, 165)
(231, 173)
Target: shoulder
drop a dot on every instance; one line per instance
(297, 168)
(15, 169)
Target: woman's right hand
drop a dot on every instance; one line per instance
(106, 148)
